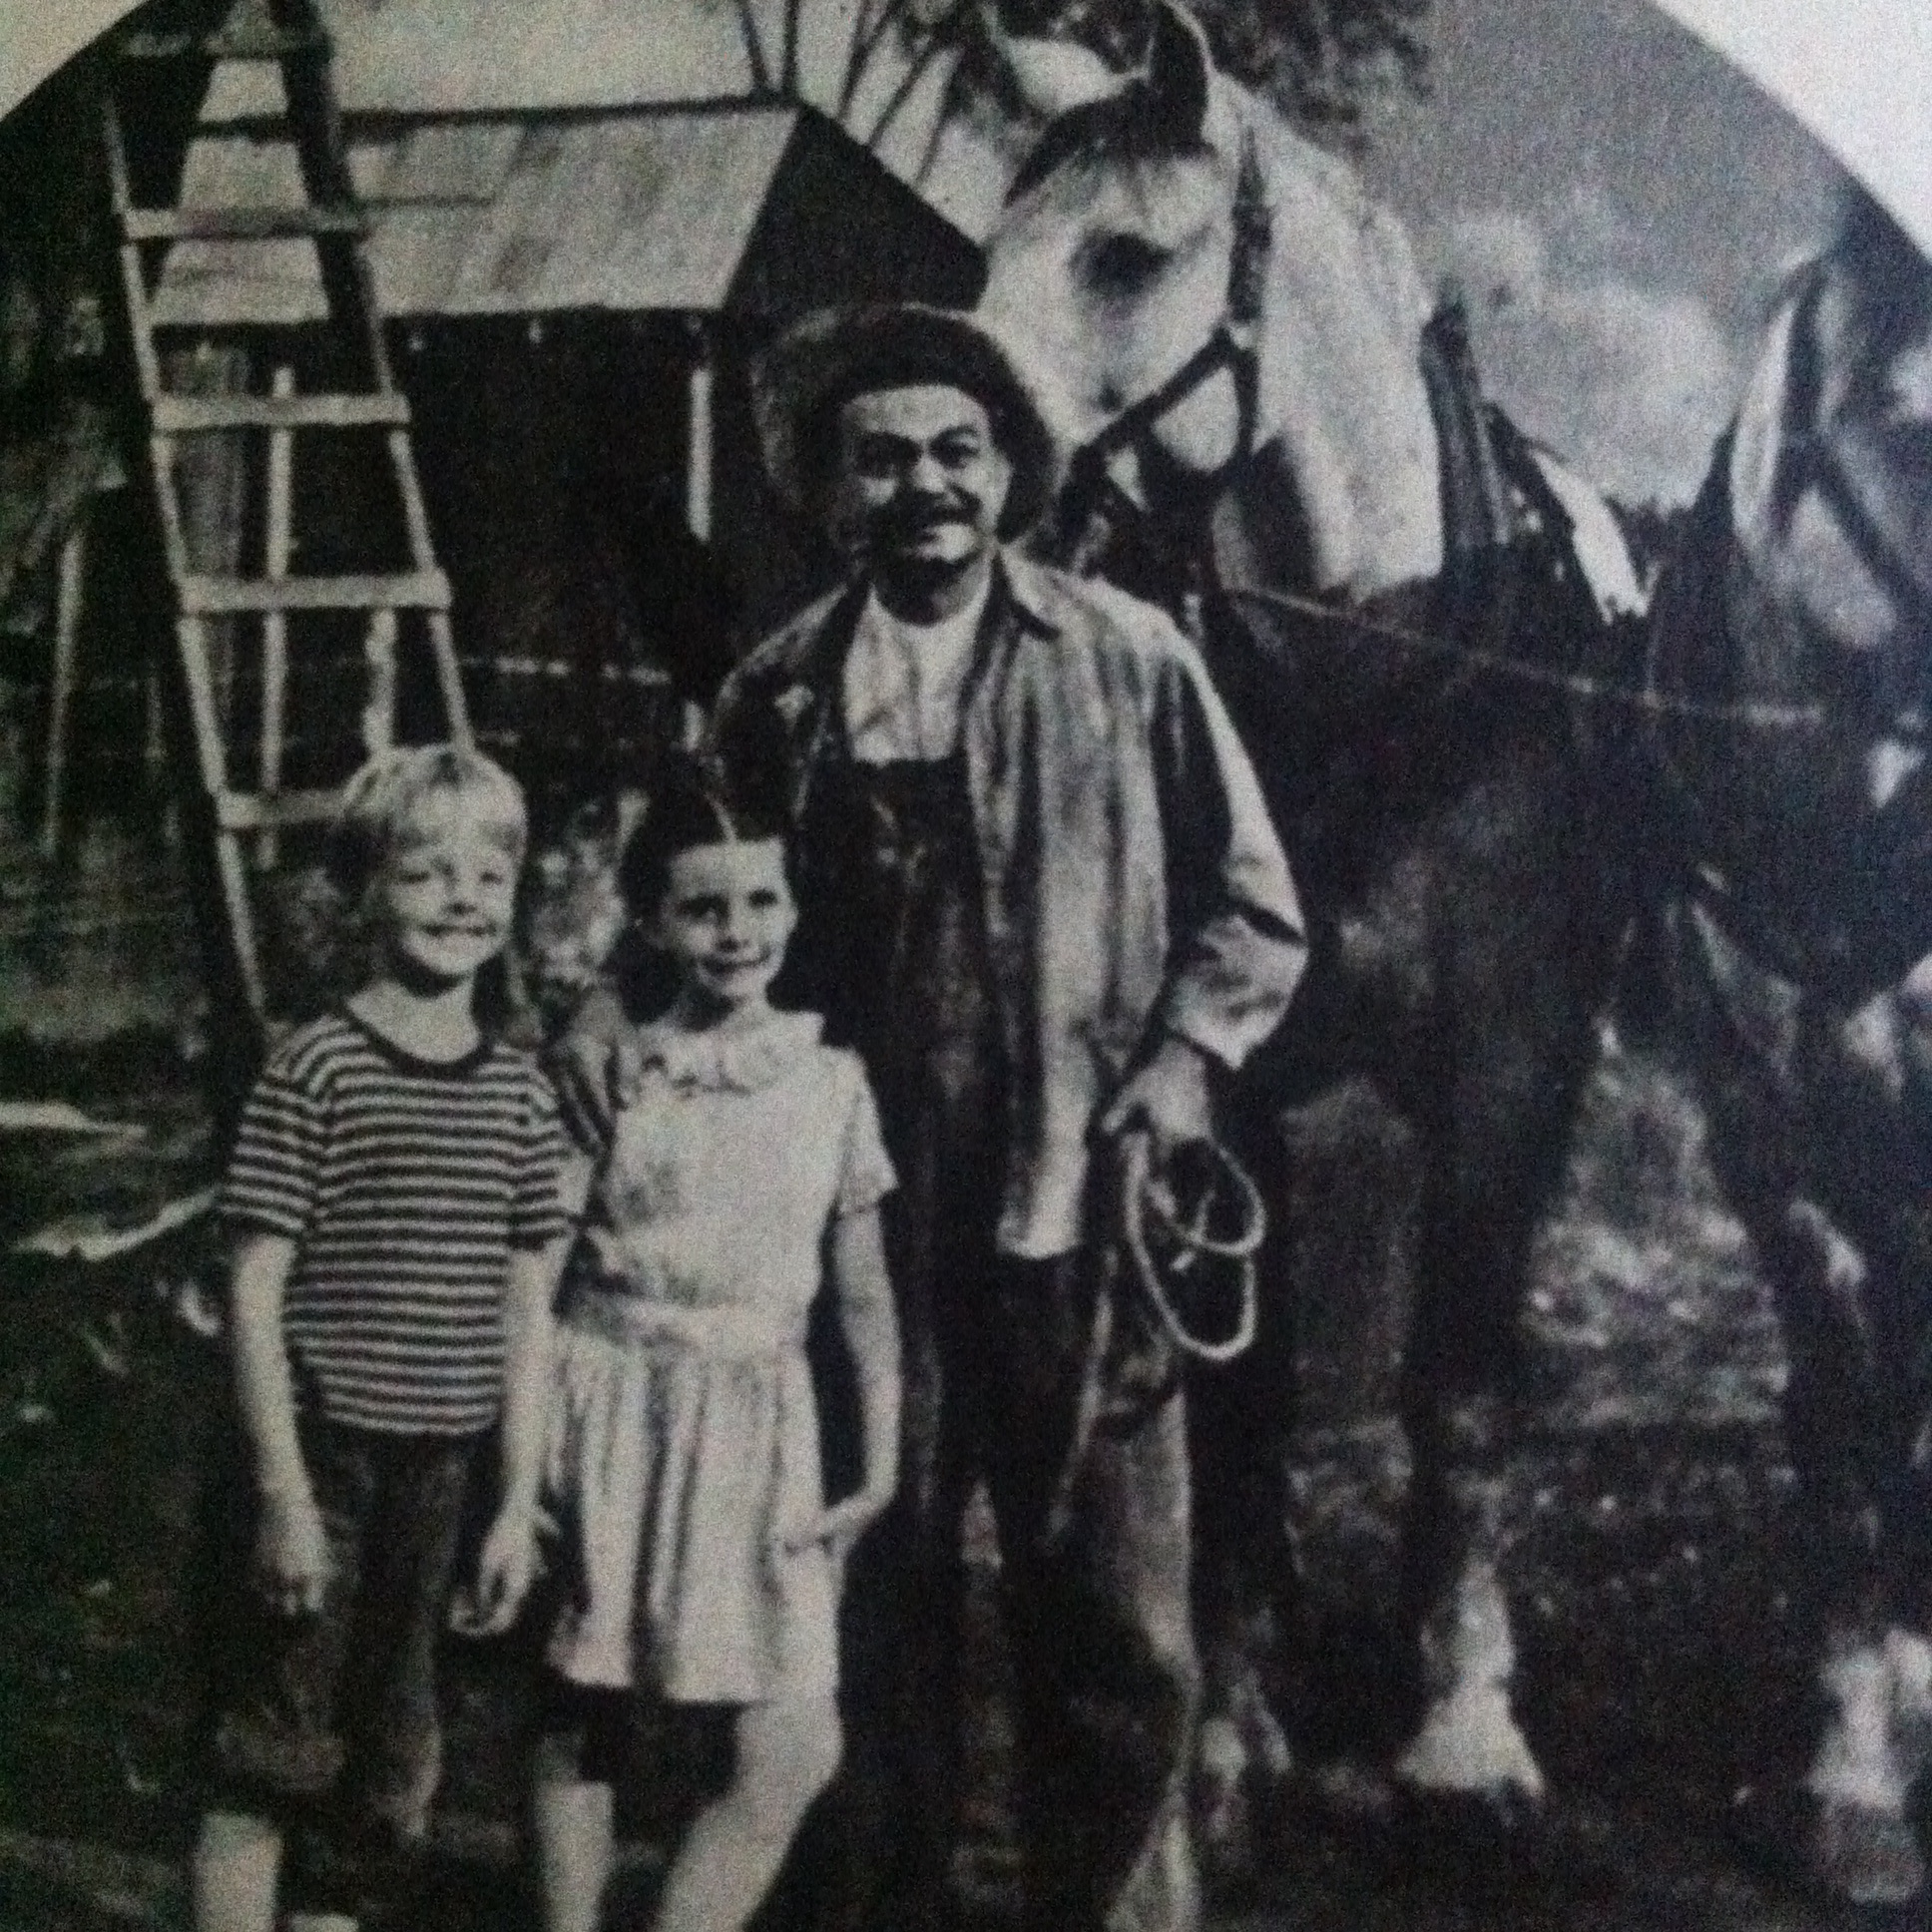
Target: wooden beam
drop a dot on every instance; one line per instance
(379, 710)
(241, 223)
(224, 44)
(201, 415)
(250, 811)
(700, 434)
(277, 545)
(417, 590)
(60, 697)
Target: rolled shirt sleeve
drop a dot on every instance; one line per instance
(1238, 945)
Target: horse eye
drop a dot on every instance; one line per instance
(1121, 265)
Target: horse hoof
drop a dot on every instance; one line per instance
(1500, 1812)
(1910, 1657)
(1866, 1857)
(1477, 1845)
(1224, 1818)
(1470, 1749)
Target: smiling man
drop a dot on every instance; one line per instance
(1039, 892)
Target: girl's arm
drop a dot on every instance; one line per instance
(872, 1329)
(508, 1559)
(291, 1552)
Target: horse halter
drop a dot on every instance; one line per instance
(1230, 348)
(1839, 463)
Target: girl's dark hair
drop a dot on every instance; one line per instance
(689, 806)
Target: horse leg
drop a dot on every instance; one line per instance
(1338, 1166)
(1877, 1673)
(1852, 1286)
(1520, 964)
(1468, 1744)
(1810, 1138)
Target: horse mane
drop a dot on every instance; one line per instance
(1159, 113)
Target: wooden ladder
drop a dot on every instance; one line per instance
(245, 819)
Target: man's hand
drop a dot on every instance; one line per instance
(594, 1069)
(1166, 1097)
(291, 1564)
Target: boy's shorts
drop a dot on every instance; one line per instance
(339, 1708)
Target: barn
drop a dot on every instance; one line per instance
(572, 284)
(573, 294)
(574, 297)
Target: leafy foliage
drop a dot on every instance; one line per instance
(1321, 60)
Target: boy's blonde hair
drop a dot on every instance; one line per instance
(385, 798)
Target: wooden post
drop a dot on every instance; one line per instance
(698, 435)
(60, 697)
(379, 708)
(277, 546)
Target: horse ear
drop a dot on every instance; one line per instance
(1177, 76)
(1163, 111)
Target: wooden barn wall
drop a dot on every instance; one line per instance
(552, 459)
(96, 938)
(553, 451)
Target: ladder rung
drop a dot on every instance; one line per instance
(253, 811)
(186, 415)
(416, 590)
(255, 44)
(242, 223)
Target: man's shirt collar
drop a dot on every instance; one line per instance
(904, 684)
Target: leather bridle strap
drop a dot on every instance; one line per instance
(1220, 351)
(1231, 350)
(1834, 467)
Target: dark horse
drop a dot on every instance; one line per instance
(1485, 770)
(1797, 930)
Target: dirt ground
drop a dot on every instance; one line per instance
(1661, 1678)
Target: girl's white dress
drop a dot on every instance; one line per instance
(684, 1439)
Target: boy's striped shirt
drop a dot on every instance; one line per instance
(404, 1184)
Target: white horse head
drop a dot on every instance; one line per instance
(1113, 265)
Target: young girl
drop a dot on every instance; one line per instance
(394, 1199)
(685, 1451)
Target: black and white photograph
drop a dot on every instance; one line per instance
(965, 966)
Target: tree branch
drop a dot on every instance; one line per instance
(908, 85)
(920, 34)
(788, 85)
(858, 54)
(948, 105)
(748, 27)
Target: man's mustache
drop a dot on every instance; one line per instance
(917, 519)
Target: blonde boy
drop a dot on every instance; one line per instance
(392, 1198)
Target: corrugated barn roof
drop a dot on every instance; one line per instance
(442, 56)
(530, 154)
(639, 210)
